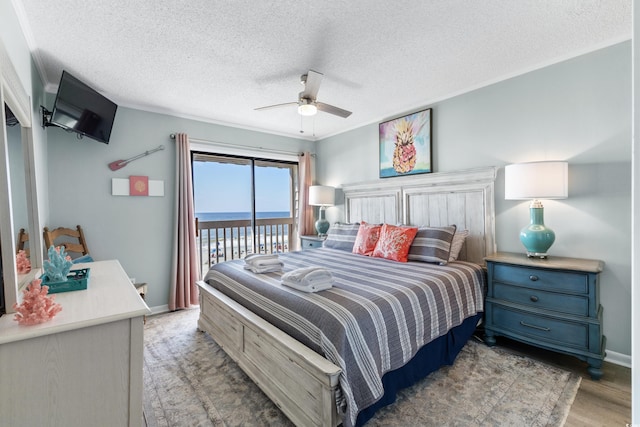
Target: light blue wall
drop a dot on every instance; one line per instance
(578, 110)
(138, 231)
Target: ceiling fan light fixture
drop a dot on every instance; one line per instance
(307, 109)
(307, 105)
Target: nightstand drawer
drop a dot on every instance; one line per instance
(565, 333)
(552, 280)
(310, 242)
(562, 303)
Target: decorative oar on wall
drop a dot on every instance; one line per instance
(119, 164)
(135, 185)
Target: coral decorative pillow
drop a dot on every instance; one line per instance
(394, 242)
(366, 239)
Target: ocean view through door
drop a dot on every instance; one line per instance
(243, 205)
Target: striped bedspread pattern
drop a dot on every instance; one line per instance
(374, 319)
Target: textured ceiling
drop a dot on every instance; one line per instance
(219, 60)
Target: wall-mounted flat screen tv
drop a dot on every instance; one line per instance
(81, 109)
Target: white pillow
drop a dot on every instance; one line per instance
(456, 244)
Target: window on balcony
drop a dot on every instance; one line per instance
(243, 205)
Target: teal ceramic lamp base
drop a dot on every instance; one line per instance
(322, 225)
(536, 237)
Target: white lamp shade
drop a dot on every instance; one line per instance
(322, 195)
(536, 180)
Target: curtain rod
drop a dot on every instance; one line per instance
(226, 144)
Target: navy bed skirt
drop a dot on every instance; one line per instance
(439, 352)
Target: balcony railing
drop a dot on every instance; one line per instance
(220, 241)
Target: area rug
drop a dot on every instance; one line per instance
(190, 381)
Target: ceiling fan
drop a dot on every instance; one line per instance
(307, 104)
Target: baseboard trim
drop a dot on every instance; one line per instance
(159, 309)
(618, 358)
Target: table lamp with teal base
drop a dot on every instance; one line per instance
(323, 196)
(536, 180)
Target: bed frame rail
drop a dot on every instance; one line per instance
(299, 381)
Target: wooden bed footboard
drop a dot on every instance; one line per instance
(298, 380)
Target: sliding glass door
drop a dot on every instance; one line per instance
(243, 205)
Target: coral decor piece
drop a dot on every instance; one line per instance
(57, 267)
(36, 306)
(23, 265)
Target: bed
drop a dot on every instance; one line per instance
(303, 362)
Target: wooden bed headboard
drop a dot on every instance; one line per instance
(464, 198)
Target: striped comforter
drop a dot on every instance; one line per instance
(374, 319)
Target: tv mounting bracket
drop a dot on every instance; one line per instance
(46, 121)
(46, 117)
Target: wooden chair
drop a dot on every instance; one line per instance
(72, 240)
(23, 238)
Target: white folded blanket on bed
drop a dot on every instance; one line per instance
(308, 288)
(308, 279)
(263, 263)
(264, 268)
(251, 258)
(307, 273)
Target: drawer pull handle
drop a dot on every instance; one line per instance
(533, 278)
(534, 326)
(533, 298)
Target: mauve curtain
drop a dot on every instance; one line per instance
(305, 219)
(185, 272)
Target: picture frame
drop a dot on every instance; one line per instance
(405, 145)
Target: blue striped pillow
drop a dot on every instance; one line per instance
(432, 244)
(342, 236)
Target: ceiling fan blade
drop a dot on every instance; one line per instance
(333, 110)
(276, 106)
(312, 85)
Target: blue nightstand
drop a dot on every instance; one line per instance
(552, 303)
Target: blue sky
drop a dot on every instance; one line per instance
(224, 187)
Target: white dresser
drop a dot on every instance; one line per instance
(84, 367)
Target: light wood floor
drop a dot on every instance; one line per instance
(606, 402)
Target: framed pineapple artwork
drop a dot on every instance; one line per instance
(405, 145)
